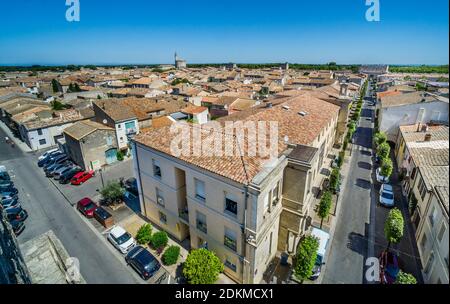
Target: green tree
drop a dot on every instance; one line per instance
(171, 255)
(380, 138)
(55, 86)
(341, 158)
(306, 257)
(57, 105)
(144, 234)
(393, 227)
(386, 167)
(334, 179)
(202, 267)
(324, 206)
(383, 150)
(112, 193)
(119, 155)
(159, 240)
(405, 278)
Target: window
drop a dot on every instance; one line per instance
(230, 264)
(429, 263)
(230, 204)
(433, 216)
(230, 239)
(156, 168)
(159, 197)
(201, 222)
(119, 126)
(266, 203)
(162, 217)
(42, 142)
(413, 174)
(275, 195)
(199, 189)
(39, 131)
(441, 232)
(423, 243)
(422, 189)
(109, 140)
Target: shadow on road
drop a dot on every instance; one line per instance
(362, 183)
(365, 165)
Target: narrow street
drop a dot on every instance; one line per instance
(359, 230)
(49, 210)
(349, 247)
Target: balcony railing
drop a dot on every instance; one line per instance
(183, 214)
(202, 227)
(131, 131)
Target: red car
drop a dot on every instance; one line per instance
(87, 207)
(81, 177)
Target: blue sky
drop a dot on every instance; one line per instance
(149, 31)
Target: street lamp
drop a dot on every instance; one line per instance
(101, 177)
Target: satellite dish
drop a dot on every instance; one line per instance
(105, 121)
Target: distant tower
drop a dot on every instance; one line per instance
(179, 63)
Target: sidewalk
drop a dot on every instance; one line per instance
(20, 144)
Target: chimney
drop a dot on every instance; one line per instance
(343, 90)
(427, 137)
(424, 128)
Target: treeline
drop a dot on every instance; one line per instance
(70, 67)
(296, 66)
(442, 69)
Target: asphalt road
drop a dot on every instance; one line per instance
(350, 245)
(49, 210)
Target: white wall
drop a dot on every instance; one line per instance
(393, 117)
(32, 138)
(121, 134)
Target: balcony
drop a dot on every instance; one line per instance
(131, 131)
(202, 227)
(183, 214)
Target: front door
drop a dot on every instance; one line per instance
(111, 156)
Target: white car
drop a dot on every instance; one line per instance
(47, 153)
(121, 239)
(380, 178)
(387, 195)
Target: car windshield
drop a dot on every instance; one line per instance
(319, 260)
(123, 238)
(387, 195)
(91, 205)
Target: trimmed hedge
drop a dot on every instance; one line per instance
(171, 255)
(159, 240)
(144, 234)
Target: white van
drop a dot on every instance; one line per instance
(324, 238)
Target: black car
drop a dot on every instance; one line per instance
(67, 176)
(145, 264)
(49, 157)
(61, 159)
(4, 176)
(8, 202)
(17, 226)
(55, 160)
(8, 189)
(16, 214)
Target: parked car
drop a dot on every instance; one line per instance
(387, 195)
(4, 176)
(67, 176)
(87, 207)
(16, 213)
(57, 174)
(6, 182)
(47, 153)
(9, 202)
(8, 190)
(57, 160)
(48, 158)
(380, 178)
(55, 168)
(81, 177)
(121, 239)
(145, 264)
(17, 226)
(324, 238)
